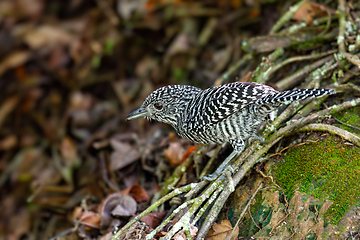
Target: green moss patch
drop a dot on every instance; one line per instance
(327, 170)
(350, 117)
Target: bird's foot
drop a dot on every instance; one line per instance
(217, 173)
(224, 173)
(261, 139)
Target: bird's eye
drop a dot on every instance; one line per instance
(158, 106)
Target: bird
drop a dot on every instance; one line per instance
(230, 113)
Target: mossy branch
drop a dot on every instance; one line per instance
(334, 130)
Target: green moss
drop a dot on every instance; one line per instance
(350, 117)
(327, 170)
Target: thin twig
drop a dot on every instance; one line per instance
(286, 17)
(278, 223)
(271, 178)
(244, 210)
(346, 124)
(233, 68)
(153, 206)
(342, 27)
(273, 69)
(295, 78)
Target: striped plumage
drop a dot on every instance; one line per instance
(228, 113)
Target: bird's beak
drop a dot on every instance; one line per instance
(136, 114)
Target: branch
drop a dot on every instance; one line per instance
(286, 17)
(334, 130)
(153, 206)
(342, 22)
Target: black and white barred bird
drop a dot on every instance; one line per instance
(231, 113)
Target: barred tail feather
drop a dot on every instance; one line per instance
(271, 102)
(292, 95)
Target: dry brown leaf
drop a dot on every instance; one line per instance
(126, 8)
(153, 219)
(222, 231)
(310, 10)
(138, 193)
(179, 45)
(181, 234)
(8, 142)
(76, 213)
(90, 220)
(123, 154)
(81, 101)
(116, 204)
(13, 60)
(266, 43)
(69, 152)
(20, 223)
(47, 36)
(174, 153)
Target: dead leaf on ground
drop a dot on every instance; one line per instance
(138, 193)
(20, 223)
(310, 10)
(125, 8)
(69, 152)
(90, 220)
(8, 142)
(13, 60)
(180, 44)
(123, 155)
(266, 43)
(181, 234)
(222, 231)
(116, 204)
(174, 153)
(46, 36)
(153, 219)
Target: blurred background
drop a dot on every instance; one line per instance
(70, 72)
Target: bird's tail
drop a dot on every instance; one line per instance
(270, 102)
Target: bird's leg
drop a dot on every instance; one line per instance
(222, 167)
(238, 146)
(261, 139)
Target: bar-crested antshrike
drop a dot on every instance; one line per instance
(231, 113)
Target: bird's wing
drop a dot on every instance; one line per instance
(214, 105)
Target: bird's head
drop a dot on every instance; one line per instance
(166, 104)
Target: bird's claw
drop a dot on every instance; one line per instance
(224, 174)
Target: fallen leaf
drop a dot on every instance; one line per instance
(174, 153)
(266, 43)
(310, 10)
(182, 236)
(20, 223)
(138, 193)
(116, 204)
(180, 44)
(90, 220)
(76, 213)
(153, 219)
(29, 8)
(126, 8)
(8, 142)
(13, 60)
(222, 231)
(123, 155)
(47, 36)
(69, 152)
